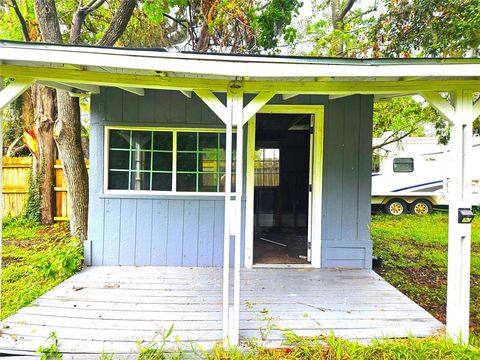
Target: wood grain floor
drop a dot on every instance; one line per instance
(113, 309)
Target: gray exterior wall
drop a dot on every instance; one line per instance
(188, 230)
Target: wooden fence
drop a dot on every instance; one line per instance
(16, 172)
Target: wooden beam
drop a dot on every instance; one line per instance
(92, 89)
(333, 97)
(288, 96)
(13, 91)
(136, 91)
(440, 104)
(214, 104)
(283, 87)
(55, 85)
(256, 104)
(188, 94)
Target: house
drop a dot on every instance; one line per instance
(168, 131)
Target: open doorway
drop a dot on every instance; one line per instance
(283, 173)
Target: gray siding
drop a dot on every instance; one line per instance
(188, 230)
(347, 183)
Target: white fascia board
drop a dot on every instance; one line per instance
(229, 66)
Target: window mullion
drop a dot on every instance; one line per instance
(151, 159)
(174, 161)
(130, 161)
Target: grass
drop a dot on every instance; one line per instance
(414, 253)
(35, 258)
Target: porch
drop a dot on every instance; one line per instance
(111, 309)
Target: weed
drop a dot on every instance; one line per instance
(156, 349)
(51, 351)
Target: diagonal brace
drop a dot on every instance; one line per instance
(13, 91)
(440, 104)
(256, 104)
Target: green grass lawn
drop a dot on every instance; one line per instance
(35, 258)
(414, 253)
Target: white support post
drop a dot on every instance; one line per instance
(459, 235)
(237, 119)
(226, 226)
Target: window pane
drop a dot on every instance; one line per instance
(118, 180)
(207, 163)
(140, 180)
(118, 159)
(187, 162)
(141, 140)
(162, 140)
(207, 182)
(162, 161)
(120, 139)
(186, 182)
(187, 141)
(267, 167)
(141, 160)
(162, 182)
(403, 164)
(208, 141)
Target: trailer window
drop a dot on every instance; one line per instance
(403, 165)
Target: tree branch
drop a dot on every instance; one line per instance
(348, 7)
(23, 23)
(394, 139)
(119, 23)
(79, 18)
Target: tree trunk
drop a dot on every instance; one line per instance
(67, 133)
(119, 23)
(45, 114)
(337, 24)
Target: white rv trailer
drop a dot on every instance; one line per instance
(409, 176)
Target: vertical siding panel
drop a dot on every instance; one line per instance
(206, 229)
(111, 232)
(190, 233)
(162, 107)
(178, 108)
(130, 107)
(218, 233)
(114, 105)
(96, 234)
(146, 107)
(350, 168)
(159, 232)
(175, 232)
(334, 162)
(143, 243)
(127, 231)
(365, 166)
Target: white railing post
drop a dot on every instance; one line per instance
(459, 235)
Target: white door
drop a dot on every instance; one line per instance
(310, 191)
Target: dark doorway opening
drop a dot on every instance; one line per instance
(281, 189)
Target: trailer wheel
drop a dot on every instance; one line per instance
(396, 207)
(422, 207)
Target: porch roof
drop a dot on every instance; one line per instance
(157, 68)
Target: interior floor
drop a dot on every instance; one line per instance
(280, 246)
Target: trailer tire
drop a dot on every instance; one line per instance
(396, 207)
(421, 207)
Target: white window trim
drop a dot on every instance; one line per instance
(106, 150)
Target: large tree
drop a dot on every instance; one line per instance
(200, 25)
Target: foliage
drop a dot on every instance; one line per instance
(35, 258)
(51, 351)
(414, 253)
(354, 34)
(403, 116)
(34, 197)
(447, 28)
(156, 350)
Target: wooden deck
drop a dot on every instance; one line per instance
(111, 309)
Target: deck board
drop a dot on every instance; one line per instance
(111, 309)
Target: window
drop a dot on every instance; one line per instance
(267, 167)
(166, 160)
(403, 165)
